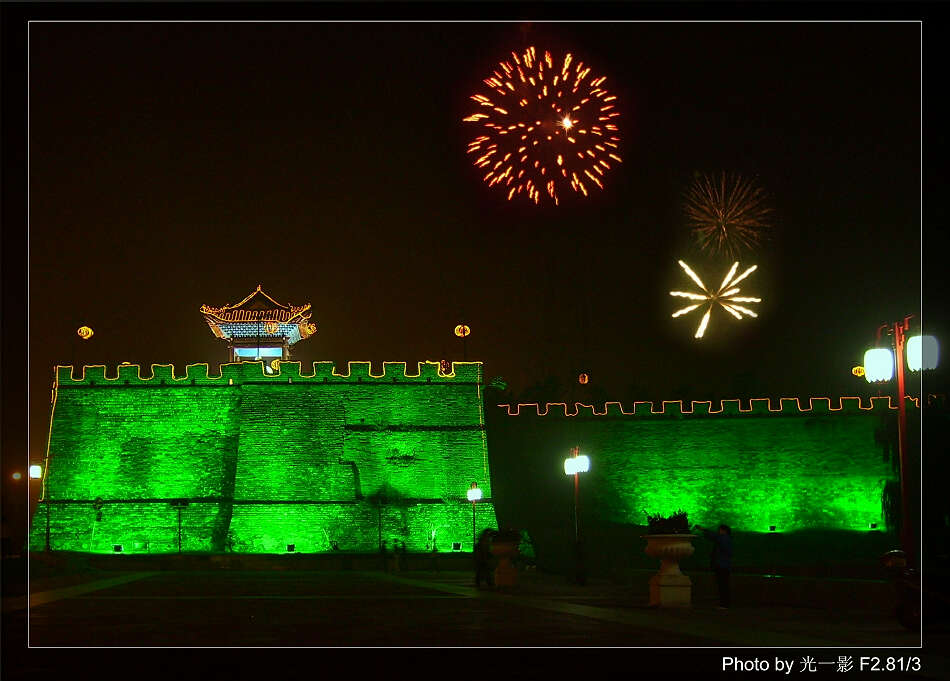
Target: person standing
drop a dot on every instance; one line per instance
(721, 561)
(483, 556)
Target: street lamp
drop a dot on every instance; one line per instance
(179, 504)
(575, 465)
(474, 494)
(922, 352)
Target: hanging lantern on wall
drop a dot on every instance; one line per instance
(858, 371)
(583, 379)
(462, 330)
(271, 327)
(84, 332)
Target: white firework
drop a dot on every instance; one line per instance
(725, 295)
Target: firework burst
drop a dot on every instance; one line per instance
(725, 296)
(727, 212)
(545, 125)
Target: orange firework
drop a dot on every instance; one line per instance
(727, 212)
(545, 125)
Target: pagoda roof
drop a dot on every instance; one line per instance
(258, 307)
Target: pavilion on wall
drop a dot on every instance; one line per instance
(259, 328)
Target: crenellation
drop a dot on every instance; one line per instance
(643, 409)
(236, 373)
(129, 372)
(672, 408)
(95, 374)
(759, 406)
(164, 372)
(790, 405)
(730, 408)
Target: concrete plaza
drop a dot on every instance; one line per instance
(424, 608)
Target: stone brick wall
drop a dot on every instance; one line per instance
(787, 466)
(265, 460)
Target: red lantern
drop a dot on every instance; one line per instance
(462, 330)
(583, 379)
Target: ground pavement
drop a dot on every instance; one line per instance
(278, 608)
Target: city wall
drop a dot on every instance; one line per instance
(765, 468)
(309, 459)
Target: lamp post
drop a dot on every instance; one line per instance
(179, 504)
(879, 365)
(474, 494)
(575, 465)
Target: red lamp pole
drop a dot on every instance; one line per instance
(906, 535)
(897, 330)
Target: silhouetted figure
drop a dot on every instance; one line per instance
(721, 561)
(580, 562)
(403, 560)
(394, 557)
(483, 560)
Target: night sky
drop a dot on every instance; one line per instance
(177, 164)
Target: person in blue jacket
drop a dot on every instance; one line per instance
(721, 561)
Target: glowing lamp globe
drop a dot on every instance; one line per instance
(922, 353)
(583, 379)
(84, 332)
(858, 371)
(17, 476)
(576, 464)
(462, 330)
(474, 494)
(878, 365)
(36, 471)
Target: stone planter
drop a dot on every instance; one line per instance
(506, 574)
(669, 587)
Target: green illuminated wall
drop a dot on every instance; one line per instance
(814, 466)
(265, 460)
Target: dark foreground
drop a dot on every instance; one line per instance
(293, 608)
